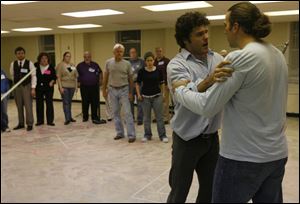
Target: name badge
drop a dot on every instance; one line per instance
(47, 72)
(24, 70)
(91, 70)
(161, 63)
(2, 76)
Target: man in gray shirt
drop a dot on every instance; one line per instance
(253, 151)
(195, 138)
(118, 84)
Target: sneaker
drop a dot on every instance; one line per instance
(165, 140)
(145, 139)
(118, 137)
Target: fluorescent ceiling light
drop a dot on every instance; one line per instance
(218, 17)
(3, 31)
(282, 13)
(35, 29)
(178, 6)
(263, 2)
(15, 2)
(80, 26)
(102, 12)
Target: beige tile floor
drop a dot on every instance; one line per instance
(82, 163)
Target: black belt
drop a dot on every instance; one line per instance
(207, 136)
(120, 87)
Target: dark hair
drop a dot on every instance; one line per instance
(43, 54)
(148, 54)
(250, 19)
(66, 54)
(19, 49)
(185, 25)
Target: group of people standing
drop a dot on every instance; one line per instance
(124, 82)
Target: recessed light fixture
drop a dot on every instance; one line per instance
(79, 26)
(15, 2)
(217, 17)
(178, 6)
(263, 2)
(84, 14)
(34, 29)
(3, 31)
(282, 13)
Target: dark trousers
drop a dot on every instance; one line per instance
(47, 95)
(199, 154)
(90, 95)
(239, 182)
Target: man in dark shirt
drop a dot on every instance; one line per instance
(161, 63)
(90, 79)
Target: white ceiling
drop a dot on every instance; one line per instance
(48, 14)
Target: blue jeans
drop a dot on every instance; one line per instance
(239, 182)
(139, 106)
(67, 102)
(157, 105)
(4, 117)
(119, 97)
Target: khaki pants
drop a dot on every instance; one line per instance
(23, 98)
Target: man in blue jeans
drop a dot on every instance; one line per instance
(253, 150)
(4, 89)
(118, 83)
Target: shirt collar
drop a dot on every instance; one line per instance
(21, 61)
(186, 54)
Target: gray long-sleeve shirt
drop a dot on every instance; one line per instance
(254, 101)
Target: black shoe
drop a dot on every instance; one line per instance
(99, 121)
(109, 120)
(19, 127)
(154, 120)
(29, 128)
(72, 120)
(118, 137)
(67, 122)
(84, 120)
(140, 123)
(39, 123)
(166, 122)
(51, 124)
(131, 140)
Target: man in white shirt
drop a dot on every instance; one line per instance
(26, 90)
